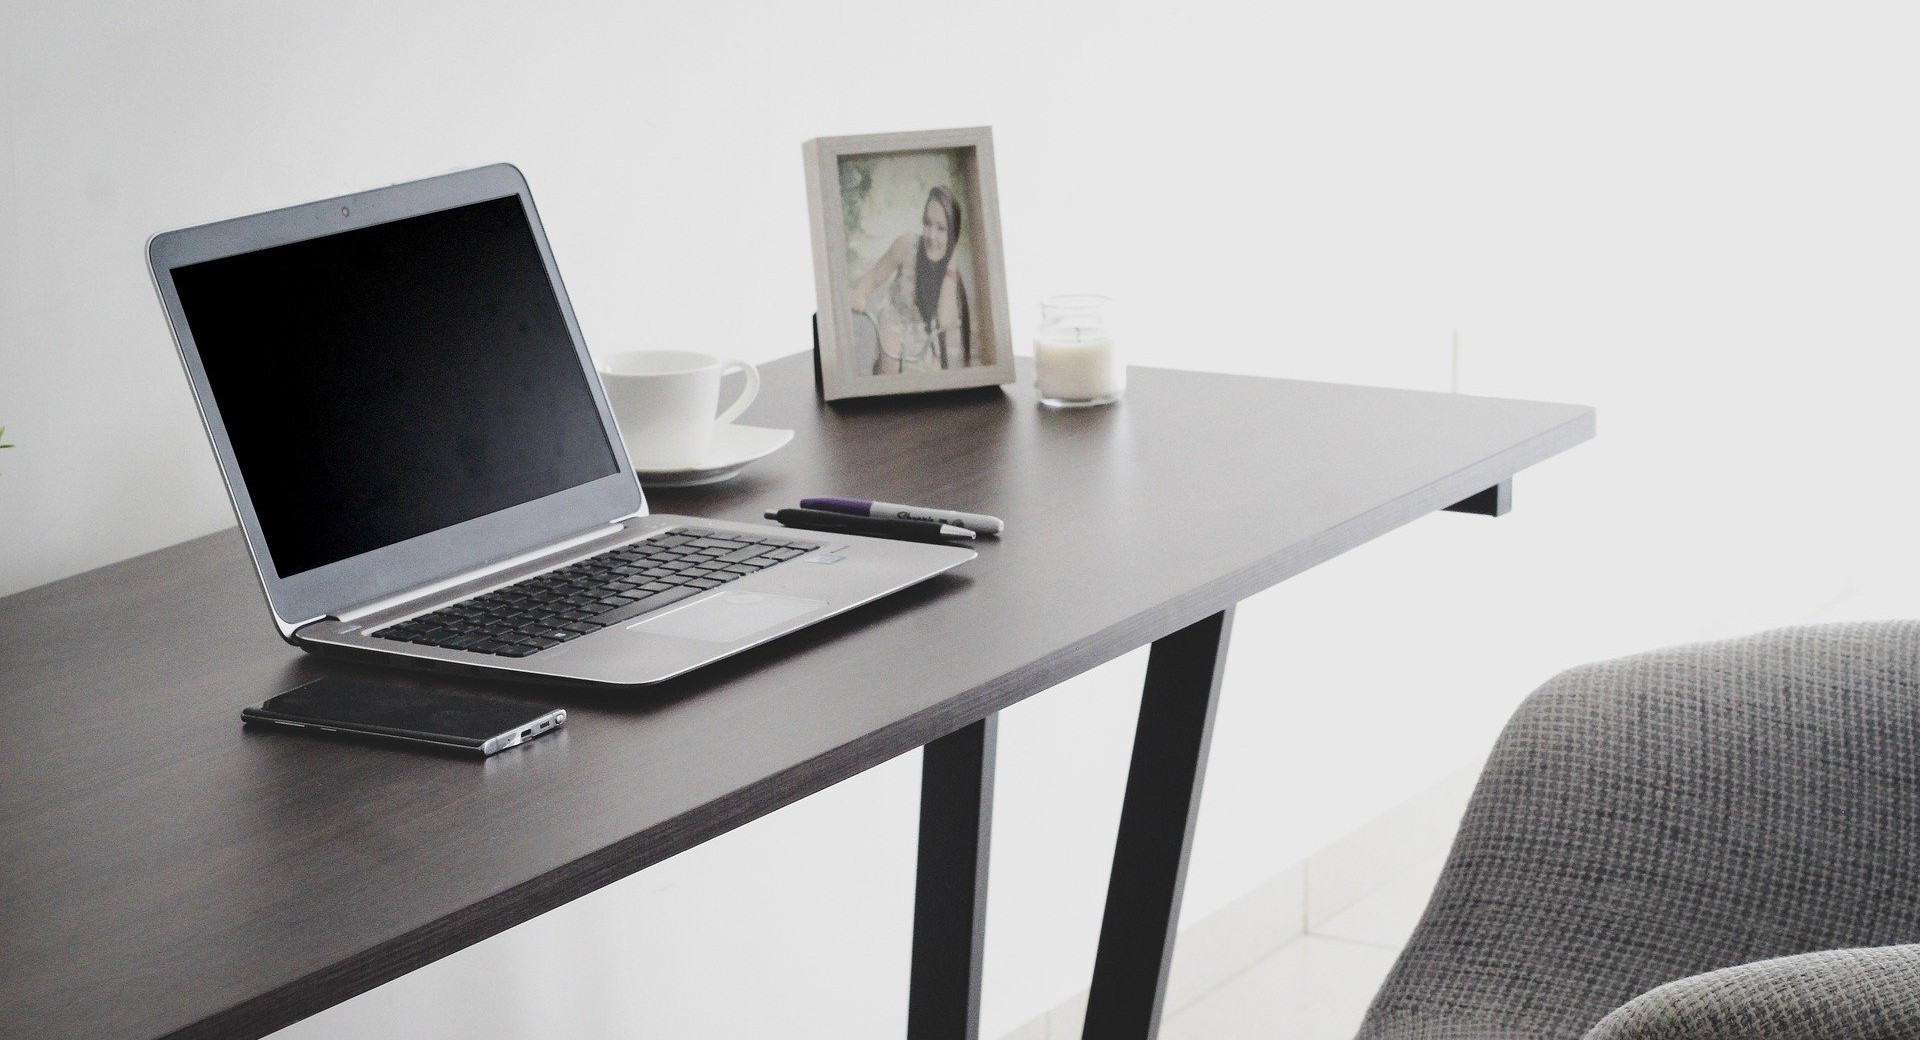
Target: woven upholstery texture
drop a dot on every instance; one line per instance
(1669, 814)
(1844, 994)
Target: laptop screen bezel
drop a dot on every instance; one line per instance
(339, 587)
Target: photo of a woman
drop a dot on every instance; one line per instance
(910, 287)
(921, 315)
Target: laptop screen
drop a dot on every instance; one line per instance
(389, 381)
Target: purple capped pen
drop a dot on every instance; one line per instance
(978, 523)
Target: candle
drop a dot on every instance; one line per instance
(1075, 362)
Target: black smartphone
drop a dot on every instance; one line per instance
(368, 708)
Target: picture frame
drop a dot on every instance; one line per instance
(909, 278)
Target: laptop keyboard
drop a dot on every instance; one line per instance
(552, 608)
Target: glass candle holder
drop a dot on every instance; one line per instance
(1074, 360)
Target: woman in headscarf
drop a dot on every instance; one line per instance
(922, 318)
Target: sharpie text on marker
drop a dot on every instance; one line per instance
(978, 523)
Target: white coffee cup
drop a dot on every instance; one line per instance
(664, 401)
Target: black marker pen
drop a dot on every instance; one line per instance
(905, 530)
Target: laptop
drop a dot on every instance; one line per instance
(425, 465)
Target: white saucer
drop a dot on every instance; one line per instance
(733, 447)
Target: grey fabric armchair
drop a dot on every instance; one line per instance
(1704, 843)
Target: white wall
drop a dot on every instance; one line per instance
(1699, 217)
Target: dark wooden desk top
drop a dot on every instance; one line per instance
(168, 874)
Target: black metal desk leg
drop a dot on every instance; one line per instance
(1156, 830)
(950, 895)
(1494, 501)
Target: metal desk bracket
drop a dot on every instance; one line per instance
(1494, 501)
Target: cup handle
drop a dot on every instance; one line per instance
(740, 403)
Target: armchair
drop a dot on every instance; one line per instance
(1706, 842)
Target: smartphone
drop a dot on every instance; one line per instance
(387, 711)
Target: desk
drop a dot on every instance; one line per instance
(169, 875)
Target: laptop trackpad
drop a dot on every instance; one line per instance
(728, 617)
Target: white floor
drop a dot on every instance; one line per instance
(1318, 986)
(1302, 955)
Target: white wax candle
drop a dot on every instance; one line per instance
(1077, 364)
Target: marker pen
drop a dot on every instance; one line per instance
(978, 523)
(877, 526)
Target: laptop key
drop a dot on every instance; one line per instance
(639, 607)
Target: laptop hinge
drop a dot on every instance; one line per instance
(478, 573)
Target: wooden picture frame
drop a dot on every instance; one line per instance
(906, 303)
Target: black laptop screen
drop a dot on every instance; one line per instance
(385, 382)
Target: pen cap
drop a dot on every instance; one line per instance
(832, 502)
